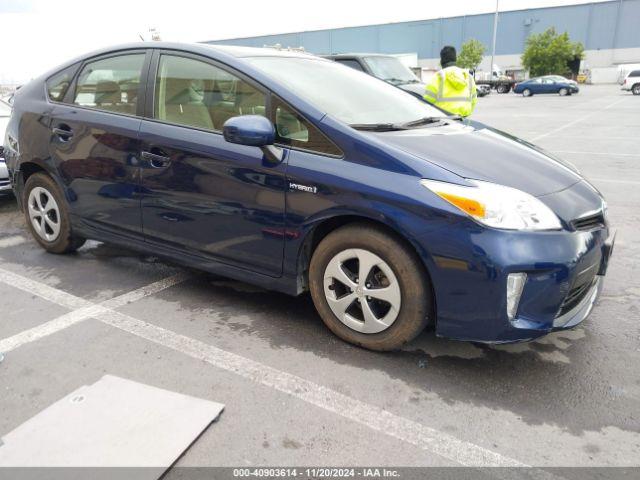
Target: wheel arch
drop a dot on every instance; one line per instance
(26, 170)
(325, 226)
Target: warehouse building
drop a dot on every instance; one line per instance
(610, 32)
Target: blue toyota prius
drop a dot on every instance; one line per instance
(298, 174)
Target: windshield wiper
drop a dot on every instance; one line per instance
(401, 81)
(427, 120)
(377, 127)
(394, 80)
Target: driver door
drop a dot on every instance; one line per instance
(201, 194)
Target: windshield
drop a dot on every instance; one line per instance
(390, 69)
(344, 93)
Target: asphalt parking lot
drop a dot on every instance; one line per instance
(295, 394)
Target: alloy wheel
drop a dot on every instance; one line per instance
(362, 290)
(44, 214)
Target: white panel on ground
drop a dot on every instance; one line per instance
(112, 423)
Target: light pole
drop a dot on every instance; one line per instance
(495, 31)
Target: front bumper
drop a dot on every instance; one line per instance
(5, 184)
(470, 266)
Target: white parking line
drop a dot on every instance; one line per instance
(440, 443)
(42, 290)
(12, 241)
(577, 120)
(85, 311)
(376, 418)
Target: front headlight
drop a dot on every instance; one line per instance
(497, 206)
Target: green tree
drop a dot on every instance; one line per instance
(550, 53)
(470, 54)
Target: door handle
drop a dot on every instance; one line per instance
(155, 160)
(63, 132)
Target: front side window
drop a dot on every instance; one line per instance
(344, 93)
(197, 94)
(295, 131)
(58, 84)
(111, 84)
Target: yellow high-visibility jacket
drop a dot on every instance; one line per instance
(454, 90)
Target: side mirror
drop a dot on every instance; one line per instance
(253, 131)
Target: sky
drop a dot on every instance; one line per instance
(37, 35)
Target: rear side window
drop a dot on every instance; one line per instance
(58, 84)
(111, 84)
(197, 94)
(635, 73)
(295, 131)
(351, 63)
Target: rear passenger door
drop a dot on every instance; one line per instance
(94, 139)
(203, 195)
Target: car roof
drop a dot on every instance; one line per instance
(201, 48)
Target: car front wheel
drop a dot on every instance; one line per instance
(47, 215)
(369, 288)
(563, 91)
(526, 92)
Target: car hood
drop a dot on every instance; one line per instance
(475, 151)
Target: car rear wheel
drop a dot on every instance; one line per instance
(47, 215)
(563, 91)
(369, 288)
(636, 89)
(526, 92)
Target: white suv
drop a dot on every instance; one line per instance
(632, 82)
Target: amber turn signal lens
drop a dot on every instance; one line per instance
(472, 207)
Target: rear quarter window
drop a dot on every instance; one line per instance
(635, 73)
(58, 84)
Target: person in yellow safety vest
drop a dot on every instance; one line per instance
(452, 89)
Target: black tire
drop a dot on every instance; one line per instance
(526, 93)
(636, 89)
(563, 92)
(66, 241)
(416, 308)
(503, 88)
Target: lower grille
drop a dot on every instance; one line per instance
(575, 296)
